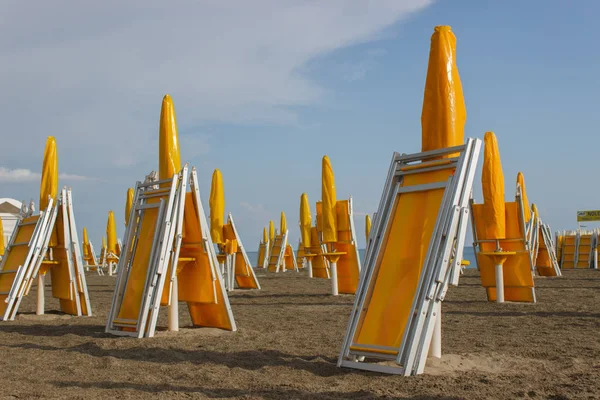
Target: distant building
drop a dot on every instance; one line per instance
(9, 212)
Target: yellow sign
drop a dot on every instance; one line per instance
(588, 215)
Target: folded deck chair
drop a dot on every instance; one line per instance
(300, 259)
(518, 268)
(568, 252)
(90, 260)
(46, 243)
(546, 262)
(277, 253)
(242, 269)
(416, 248)
(558, 243)
(167, 227)
(263, 255)
(585, 248)
(348, 265)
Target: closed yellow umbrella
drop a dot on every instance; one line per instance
(526, 209)
(1, 238)
(305, 220)
(271, 231)
(169, 161)
(49, 185)
(217, 208)
(492, 184)
(534, 209)
(111, 233)
(367, 226)
(86, 242)
(128, 204)
(265, 236)
(103, 242)
(444, 113)
(328, 202)
(283, 223)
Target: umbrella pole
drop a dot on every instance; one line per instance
(435, 348)
(40, 296)
(174, 307)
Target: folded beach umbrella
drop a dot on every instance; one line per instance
(367, 226)
(128, 204)
(49, 185)
(328, 199)
(492, 184)
(217, 208)
(169, 161)
(535, 211)
(283, 223)
(444, 114)
(104, 242)
(86, 242)
(271, 231)
(1, 238)
(265, 236)
(526, 209)
(305, 220)
(111, 234)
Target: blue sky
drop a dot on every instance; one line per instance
(263, 92)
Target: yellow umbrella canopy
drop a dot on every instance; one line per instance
(111, 233)
(271, 231)
(169, 161)
(104, 242)
(526, 209)
(367, 226)
(534, 209)
(217, 207)
(444, 113)
(128, 204)
(49, 185)
(265, 236)
(283, 223)
(328, 202)
(305, 220)
(492, 183)
(1, 238)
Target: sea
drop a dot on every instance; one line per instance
(468, 254)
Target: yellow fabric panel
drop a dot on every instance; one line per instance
(228, 232)
(49, 184)
(217, 207)
(526, 209)
(243, 275)
(195, 280)
(211, 315)
(305, 220)
(128, 204)
(132, 298)
(1, 238)
(282, 223)
(300, 255)
(319, 263)
(275, 250)
(570, 240)
(262, 252)
(328, 199)
(543, 262)
(111, 233)
(347, 265)
(265, 235)
(444, 113)
(367, 226)
(169, 160)
(492, 184)
(60, 273)
(288, 257)
(517, 268)
(397, 276)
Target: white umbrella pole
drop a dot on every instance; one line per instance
(174, 308)
(40, 296)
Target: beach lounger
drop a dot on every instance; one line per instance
(546, 262)
(585, 247)
(415, 250)
(568, 252)
(263, 255)
(277, 252)
(243, 272)
(289, 259)
(320, 265)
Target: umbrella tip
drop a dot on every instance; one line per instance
(443, 28)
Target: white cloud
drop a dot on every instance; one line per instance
(254, 209)
(93, 73)
(25, 175)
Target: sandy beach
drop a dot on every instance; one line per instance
(289, 339)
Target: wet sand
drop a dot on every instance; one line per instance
(288, 342)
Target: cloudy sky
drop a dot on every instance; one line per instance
(264, 89)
